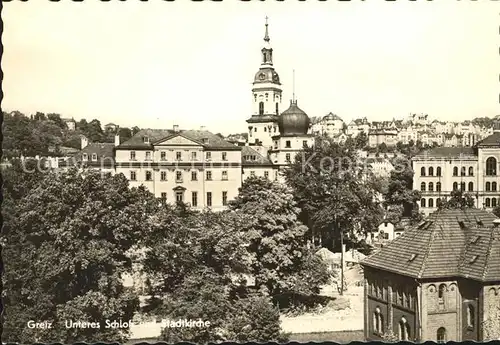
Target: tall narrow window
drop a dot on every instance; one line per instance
(438, 186)
(194, 199)
(133, 176)
(224, 156)
(462, 186)
(422, 186)
(422, 202)
(277, 109)
(438, 171)
(266, 174)
(224, 175)
(209, 175)
(463, 171)
(261, 108)
(164, 196)
(178, 155)
(493, 202)
(132, 155)
(178, 176)
(288, 157)
(422, 171)
(455, 171)
(442, 296)
(288, 144)
(163, 156)
(455, 185)
(488, 186)
(224, 198)
(441, 335)
(179, 196)
(209, 199)
(470, 316)
(163, 176)
(488, 202)
(471, 171)
(491, 166)
(194, 175)
(431, 202)
(494, 186)
(193, 155)
(149, 175)
(471, 186)
(431, 171)
(431, 187)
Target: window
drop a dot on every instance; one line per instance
(400, 297)
(304, 143)
(209, 199)
(422, 186)
(252, 173)
(288, 144)
(178, 155)
(267, 96)
(194, 176)
(85, 157)
(378, 321)
(163, 176)
(208, 155)
(441, 335)
(494, 186)
(164, 196)
(438, 186)
(255, 129)
(471, 186)
(493, 202)
(265, 129)
(471, 171)
(194, 199)
(422, 171)
(132, 155)
(438, 171)
(462, 186)
(491, 166)
(179, 196)
(431, 171)
(224, 156)
(178, 176)
(438, 202)
(163, 156)
(431, 187)
(148, 155)
(193, 156)
(277, 113)
(422, 202)
(288, 157)
(488, 202)
(276, 176)
(133, 176)
(470, 316)
(488, 186)
(463, 171)
(404, 330)
(209, 175)
(261, 109)
(149, 175)
(455, 171)
(455, 185)
(94, 157)
(266, 174)
(431, 202)
(224, 175)
(441, 295)
(145, 140)
(224, 198)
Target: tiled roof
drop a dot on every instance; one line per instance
(103, 151)
(492, 140)
(447, 152)
(449, 243)
(262, 118)
(214, 141)
(248, 151)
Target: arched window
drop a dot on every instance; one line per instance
(438, 171)
(462, 186)
(431, 187)
(441, 335)
(471, 186)
(491, 166)
(438, 186)
(431, 171)
(463, 171)
(422, 202)
(422, 186)
(493, 202)
(471, 171)
(422, 171)
(438, 202)
(494, 186)
(455, 185)
(431, 202)
(404, 330)
(488, 186)
(455, 171)
(442, 296)
(488, 202)
(261, 108)
(378, 321)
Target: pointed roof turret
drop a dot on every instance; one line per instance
(266, 36)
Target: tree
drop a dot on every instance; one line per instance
(458, 199)
(275, 236)
(124, 133)
(496, 211)
(135, 129)
(361, 140)
(67, 239)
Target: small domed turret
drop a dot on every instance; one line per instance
(293, 121)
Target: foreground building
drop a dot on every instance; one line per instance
(437, 281)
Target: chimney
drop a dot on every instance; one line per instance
(117, 139)
(84, 142)
(202, 128)
(176, 128)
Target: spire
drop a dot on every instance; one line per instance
(293, 87)
(266, 36)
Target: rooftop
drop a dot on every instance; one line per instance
(449, 243)
(250, 156)
(448, 153)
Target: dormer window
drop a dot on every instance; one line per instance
(145, 140)
(85, 157)
(205, 140)
(94, 157)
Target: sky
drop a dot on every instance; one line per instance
(159, 64)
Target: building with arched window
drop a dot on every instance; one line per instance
(440, 281)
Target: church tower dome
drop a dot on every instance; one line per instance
(293, 121)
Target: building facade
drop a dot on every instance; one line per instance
(438, 281)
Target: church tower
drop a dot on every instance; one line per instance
(266, 99)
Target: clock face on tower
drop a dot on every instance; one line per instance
(262, 76)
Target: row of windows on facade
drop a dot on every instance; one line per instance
(404, 329)
(488, 186)
(178, 155)
(463, 171)
(194, 175)
(179, 197)
(400, 295)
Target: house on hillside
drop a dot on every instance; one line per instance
(438, 281)
(70, 123)
(110, 127)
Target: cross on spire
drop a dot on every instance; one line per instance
(266, 36)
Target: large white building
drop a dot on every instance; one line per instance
(200, 168)
(474, 170)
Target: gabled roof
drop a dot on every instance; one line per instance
(248, 154)
(154, 135)
(490, 141)
(449, 243)
(447, 152)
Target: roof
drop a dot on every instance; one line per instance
(102, 150)
(449, 243)
(448, 152)
(491, 140)
(154, 135)
(248, 154)
(332, 117)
